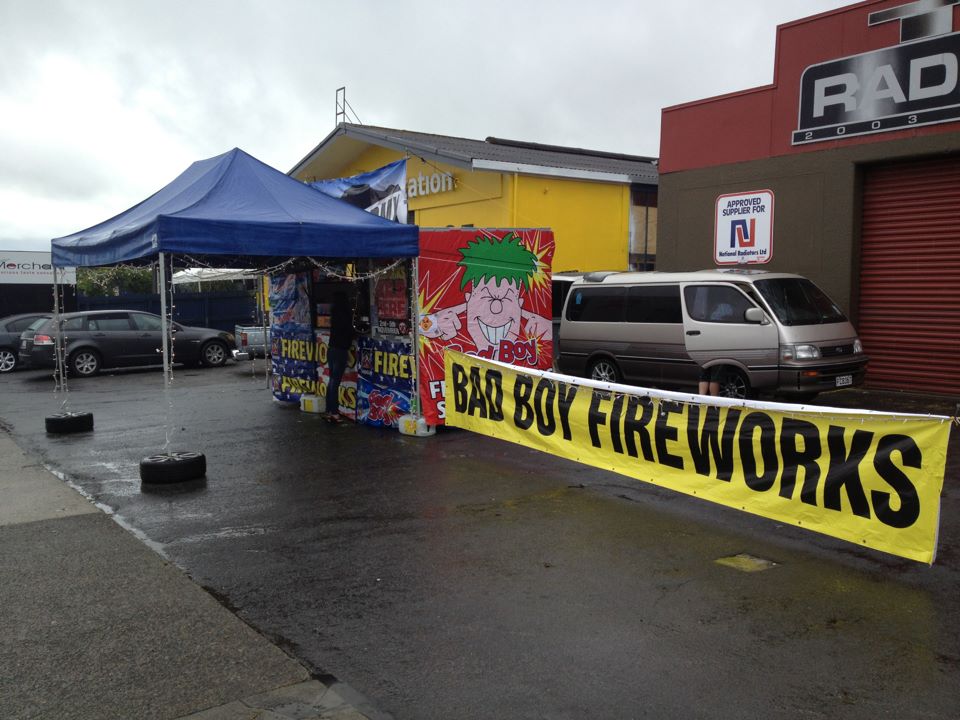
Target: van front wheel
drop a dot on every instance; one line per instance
(605, 370)
(734, 384)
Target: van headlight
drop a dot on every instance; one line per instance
(799, 352)
(857, 346)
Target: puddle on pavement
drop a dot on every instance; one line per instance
(746, 563)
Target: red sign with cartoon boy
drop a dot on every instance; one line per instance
(484, 292)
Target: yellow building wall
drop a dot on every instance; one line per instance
(590, 220)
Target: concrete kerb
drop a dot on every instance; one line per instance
(96, 625)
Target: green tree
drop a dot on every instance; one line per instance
(113, 281)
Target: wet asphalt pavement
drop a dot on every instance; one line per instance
(461, 577)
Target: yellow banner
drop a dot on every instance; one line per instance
(873, 479)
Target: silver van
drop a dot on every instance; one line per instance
(762, 331)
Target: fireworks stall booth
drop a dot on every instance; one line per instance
(483, 291)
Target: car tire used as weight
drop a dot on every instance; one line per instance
(69, 422)
(173, 467)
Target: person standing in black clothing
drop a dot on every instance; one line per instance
(338, 350)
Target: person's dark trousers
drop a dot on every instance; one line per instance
(337, 362)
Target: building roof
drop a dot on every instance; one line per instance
(492, 154)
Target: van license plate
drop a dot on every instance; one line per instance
(844, 380)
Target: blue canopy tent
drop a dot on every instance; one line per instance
(228, 211)
(234, 211)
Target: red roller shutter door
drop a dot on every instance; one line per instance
(910, 276)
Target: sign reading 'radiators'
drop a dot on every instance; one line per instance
(743, 232)
(31, 268)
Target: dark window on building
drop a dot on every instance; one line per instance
(597, 304)
(559, 289)
(654, 304)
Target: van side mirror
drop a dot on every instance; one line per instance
(754, 315)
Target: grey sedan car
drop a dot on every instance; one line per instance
(10, 329)
(99, 339)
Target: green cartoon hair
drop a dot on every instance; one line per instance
(497, 260)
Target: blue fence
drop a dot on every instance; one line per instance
(221, 310)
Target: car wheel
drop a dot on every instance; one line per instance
(84, 362)
(734, 384)
(214, 354)
(69, 422)
(605, 370)
(173, 467)
(8, 360)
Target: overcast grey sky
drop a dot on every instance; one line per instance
(102, 102)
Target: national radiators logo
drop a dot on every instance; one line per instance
(743, 230)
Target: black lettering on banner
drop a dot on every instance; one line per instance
(459, 388)
(665, 432)
(543, 407)
(708, 441)
(522, 392)
(565, 397)
(615, 414)
(633, 425)
(595, 417)
(794, 458)
(844, 473)
(909, 500)
(493, 390)
(768, 451)
(476, 397)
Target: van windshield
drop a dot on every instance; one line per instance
(797, 301)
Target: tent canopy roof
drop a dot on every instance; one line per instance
(232, 208)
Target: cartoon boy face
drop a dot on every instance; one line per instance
(493, 312)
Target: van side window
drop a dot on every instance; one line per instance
(715, 303)
(654, 304)
(597, 304)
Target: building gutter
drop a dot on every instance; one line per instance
(566, 173)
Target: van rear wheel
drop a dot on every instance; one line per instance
(734, 384)
(605, 370)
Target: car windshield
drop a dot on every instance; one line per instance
(797, 301)
(35, 325)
